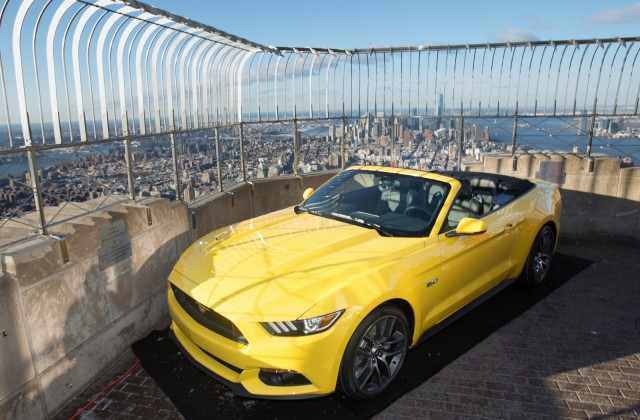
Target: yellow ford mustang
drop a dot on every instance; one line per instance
(333, 292)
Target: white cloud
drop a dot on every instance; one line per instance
(516, 35)
(627, 14)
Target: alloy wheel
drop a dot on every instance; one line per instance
(543, 254)
(380, 354)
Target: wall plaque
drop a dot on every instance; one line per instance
(115, 245)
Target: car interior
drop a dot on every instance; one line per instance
(400, 202)
(482, 194)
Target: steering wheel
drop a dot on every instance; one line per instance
(417, 212)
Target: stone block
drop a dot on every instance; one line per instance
(25, 405)
(16, 367)
(64, 310)
(72, 373)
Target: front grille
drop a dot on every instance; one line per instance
(207, 317)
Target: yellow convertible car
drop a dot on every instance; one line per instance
(331, 294)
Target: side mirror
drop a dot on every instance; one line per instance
(307, 193)
(469, 226)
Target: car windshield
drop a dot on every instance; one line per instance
(392, 204)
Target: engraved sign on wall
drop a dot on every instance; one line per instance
(115, 245)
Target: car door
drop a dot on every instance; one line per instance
(468, 265)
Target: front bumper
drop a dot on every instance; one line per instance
(238, 365)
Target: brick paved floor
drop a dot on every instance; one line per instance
(124, 391)
(575, 354)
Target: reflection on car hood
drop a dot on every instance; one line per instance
(279, 264)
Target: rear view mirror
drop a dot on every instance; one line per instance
(469, 226)
(307, 193)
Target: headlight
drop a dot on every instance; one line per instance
(302, 326)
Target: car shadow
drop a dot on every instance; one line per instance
(197, 396)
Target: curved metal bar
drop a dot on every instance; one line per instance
(535, 105)
(435, 85)
(207, 97)
(3, 85)
(586, 92)
(81, 121)
(313, 62)
(120, 63)
(221, 84)
(155, 31)
(418, 78)
(633, 67)
(624, 63)
(499, 90)
(172, 66)
(473, 72)
(604, 56)
(393, 77)
(546, 87)
(480, 96)
(114, 95)
(183, 59)
(453, 86)
(284, 81)
(213, 76)
(566, 85)
(533, 53)
(491, 88)
(464, 70)
(555, 89)
(34, 35)
(197, 64)
(613, 60)
(301, 75)
(132, 101)
(257, 82)
(228, 81)
(517, 97)
(326, 86)
(157, 60)
(268, 79)
(104, 113)
(275, 86)
(575, 95)
(318, 79)
(242, 63)
(375, 90)
(90, 73)
(16, 43)
(359, 77)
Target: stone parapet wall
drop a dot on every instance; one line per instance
(71, 302)
(600, 204)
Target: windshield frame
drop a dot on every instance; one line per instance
(381, 229)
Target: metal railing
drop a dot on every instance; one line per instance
(77, 74)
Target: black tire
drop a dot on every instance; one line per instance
(375, 353)
(540, 257)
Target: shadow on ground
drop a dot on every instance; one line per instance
(197, 396)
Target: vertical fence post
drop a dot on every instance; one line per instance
(296, 147)
(461, 139)
(343, 139)
(37, 191)
(243, 163)
(514, 136)
(590, 161)
(128, 158)
(216, 137)
(176, 167)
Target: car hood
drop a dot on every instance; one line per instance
(277, 266)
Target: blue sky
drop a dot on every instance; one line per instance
(356, 23)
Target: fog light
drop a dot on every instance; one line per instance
(280, 377)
